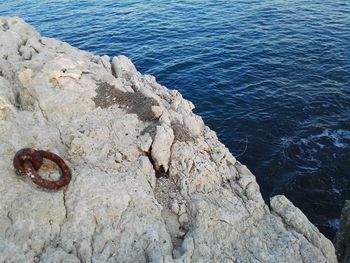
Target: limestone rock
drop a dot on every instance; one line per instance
(145, 142)
(161, 147)
(123, 68)
(293, 217)
(115, 128)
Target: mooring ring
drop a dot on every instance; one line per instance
(28, 161)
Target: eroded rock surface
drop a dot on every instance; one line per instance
(151, 183)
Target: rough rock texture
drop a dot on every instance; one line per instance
(151, 183)
(342, 239)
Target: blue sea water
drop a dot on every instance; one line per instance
(271, 77)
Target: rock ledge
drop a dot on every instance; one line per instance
(151, 183)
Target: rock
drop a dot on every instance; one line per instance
(105, 62)
(161, 147)
(157, 111)
(5, 97)
(116, 128)
(182, 209)
(183, 219)
(342, 238)
(293, 217)
(147, 168)
(145, 142)
(175, 208)
(122, 67)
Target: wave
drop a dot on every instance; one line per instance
(310, 152)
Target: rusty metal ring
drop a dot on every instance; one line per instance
(28, 161)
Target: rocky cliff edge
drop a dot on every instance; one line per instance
(151, 183)
(342, 239)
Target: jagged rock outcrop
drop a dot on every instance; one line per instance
(342, 238)
(151, 183)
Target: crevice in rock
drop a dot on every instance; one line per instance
(93, 238)
(5, 26)
(65, 204)
(151, 129)
(113, 70)
(38, 255)
(20, 45)
(165, 192)
(24, 42)
(29, 57)
(64, 198)
(9, 217)
(77, 253)
(42, 111)
(160, 173)
(36, 50)
(19, 52)
(18, 103)
(60, 136)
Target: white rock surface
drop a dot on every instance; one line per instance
(116, 128)
(161, 148)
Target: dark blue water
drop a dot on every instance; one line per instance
(272, 78)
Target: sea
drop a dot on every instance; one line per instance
(271, 77)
